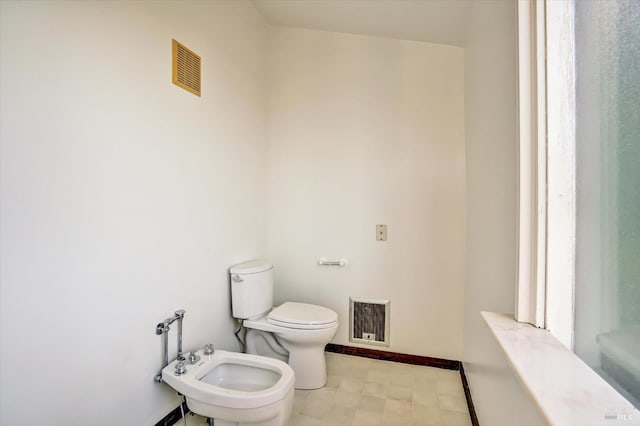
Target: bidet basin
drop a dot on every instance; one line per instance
(241, 377)
(238, 389)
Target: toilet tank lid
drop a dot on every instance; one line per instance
(251, 267)
(303, 313)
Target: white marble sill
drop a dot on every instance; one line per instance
(566, 390)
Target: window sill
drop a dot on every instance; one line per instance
(565, 389)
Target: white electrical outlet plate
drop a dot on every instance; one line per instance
(381, 232)
(368, 336)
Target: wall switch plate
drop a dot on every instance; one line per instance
(381, 232)
(368, 336)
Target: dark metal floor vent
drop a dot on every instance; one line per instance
(369, 321)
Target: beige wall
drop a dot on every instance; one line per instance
(491, 147)
(366, 130)
(124, 198)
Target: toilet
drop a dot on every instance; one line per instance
(293, 332)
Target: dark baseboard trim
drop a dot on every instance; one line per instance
(467, 395)
(394, 356)
(174, 416)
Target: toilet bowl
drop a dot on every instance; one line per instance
(296, 332)
(236, 389)
(303, 330)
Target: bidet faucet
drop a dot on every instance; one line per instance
(180, 368)
(180, 316)
(163, 328)
(192, 358)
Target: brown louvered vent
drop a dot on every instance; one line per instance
(186, 68)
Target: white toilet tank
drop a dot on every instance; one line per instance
(251, 288)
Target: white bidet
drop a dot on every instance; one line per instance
(235, 388)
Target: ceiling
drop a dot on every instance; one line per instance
(434, 21)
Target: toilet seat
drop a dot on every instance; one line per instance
(302, 316)
(300, 325)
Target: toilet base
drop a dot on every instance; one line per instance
(306, 377)
(265, 344)
(305, 349)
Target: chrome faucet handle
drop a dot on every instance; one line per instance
(193, 358)
(208, 349)
(180, 368)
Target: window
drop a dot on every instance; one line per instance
(579, 260)
(607, 99)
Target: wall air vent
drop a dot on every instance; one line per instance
(186, 68)
(369, 321)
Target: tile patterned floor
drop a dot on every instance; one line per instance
(363, 392)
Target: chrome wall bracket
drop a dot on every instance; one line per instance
(163, 329)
